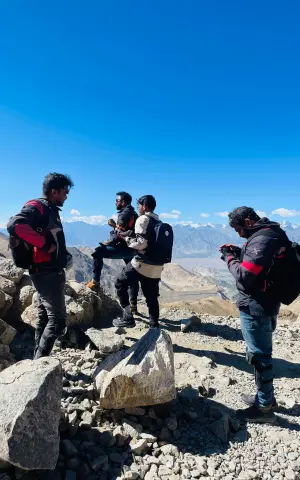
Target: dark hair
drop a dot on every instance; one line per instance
(238, 216)
(56, 181)
(125, 196)
(148, 200)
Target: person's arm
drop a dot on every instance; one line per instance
(258, 257)
(140, 240)
(25, 226)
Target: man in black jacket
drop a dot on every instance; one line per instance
(258, 307)
(115, 247)
(39, 225)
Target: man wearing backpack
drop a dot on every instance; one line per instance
(258, 304)
(153, 242)
(38, 229)
(116, 247)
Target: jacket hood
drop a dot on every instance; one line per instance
(128, 207)
(263, 223)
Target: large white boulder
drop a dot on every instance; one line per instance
(140, 376)
(30, 393)
(10, 271)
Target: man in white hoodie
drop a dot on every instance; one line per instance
(146, 266)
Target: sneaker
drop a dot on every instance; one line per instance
(255, 415)
(125, 322)
(251, 400)
(93, 285)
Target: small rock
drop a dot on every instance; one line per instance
(290, 474)
(221, 428)
(132, 475)
(139, 447)
(171, 423)
(70, 475)
(116, 458)
(148, 437)
(106, 341)
(132, 429)
(68, 449)
(99, 462)
(137, 411)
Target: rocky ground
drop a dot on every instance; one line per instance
(197, 436)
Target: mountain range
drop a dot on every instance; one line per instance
(191, 240)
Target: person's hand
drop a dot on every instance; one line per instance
(226, 245)
(229, 250)
(111, 223)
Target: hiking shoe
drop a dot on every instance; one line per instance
(93, 285)
(251, 400)
(134, 309)
(126, 322)
(255, 415)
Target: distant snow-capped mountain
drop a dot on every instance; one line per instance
(191, 239)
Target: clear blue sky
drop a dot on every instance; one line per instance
(196, 102)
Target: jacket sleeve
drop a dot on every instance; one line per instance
(25, 224)
(140, 240)
(257, 258)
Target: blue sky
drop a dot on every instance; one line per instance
(195, 102)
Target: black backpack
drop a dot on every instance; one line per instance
(22, 252)
(160, 243)
(283, 276)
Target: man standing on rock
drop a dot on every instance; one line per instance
(147, 264)
(116, 247)
(39, 227)
(258, 307)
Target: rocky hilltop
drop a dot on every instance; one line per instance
(83, 413)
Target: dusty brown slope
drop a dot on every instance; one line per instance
(210, 305)
(179, 279)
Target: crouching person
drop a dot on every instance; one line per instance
(38, 243)
(153, 242)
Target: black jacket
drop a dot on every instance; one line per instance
(126, 219)
(39, 225)
(250, 269)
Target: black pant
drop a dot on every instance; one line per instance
(51, 310)
(150, 288)
(117, 253)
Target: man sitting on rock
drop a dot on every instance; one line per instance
(116, 247)
(39, 226)
(143, 267)
(258, 307)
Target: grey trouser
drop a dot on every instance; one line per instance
(51, 310)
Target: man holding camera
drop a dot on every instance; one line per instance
(116, 247)
(258, 307)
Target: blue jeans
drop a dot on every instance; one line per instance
(116, 253)
(257, 333)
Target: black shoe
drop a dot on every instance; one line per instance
(255, 415)
(154, 325)
(125, 322)
(250, 400)
(134, 309)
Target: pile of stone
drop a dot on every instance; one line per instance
(154, 434)
(18, 300)
(7, 334)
